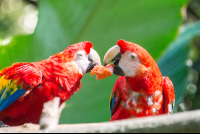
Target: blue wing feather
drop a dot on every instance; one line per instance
(172, 107)
(113, 99)
(10, 95)
(9, 100)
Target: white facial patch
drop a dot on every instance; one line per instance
(81, 59)
(129, 63)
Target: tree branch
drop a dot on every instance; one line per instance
(178, 122)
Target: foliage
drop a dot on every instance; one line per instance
(174, 63)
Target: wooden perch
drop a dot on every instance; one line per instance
(178, 122)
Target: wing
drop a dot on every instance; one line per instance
(9, 92)
(168, 96)
(115, 96)
(15, 81)
(114, 103)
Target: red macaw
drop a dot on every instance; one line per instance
(24, 87)
(140, 89)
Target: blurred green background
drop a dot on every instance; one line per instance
(33, 30)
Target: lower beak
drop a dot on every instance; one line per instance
(113, 54)
(118, 71)
(90, 67)
(94, 59)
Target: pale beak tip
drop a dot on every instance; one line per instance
(105, 63)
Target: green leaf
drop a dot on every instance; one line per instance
(173, 62)
(151, 24)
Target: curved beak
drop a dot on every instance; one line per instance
(113, 54)
(94, 59)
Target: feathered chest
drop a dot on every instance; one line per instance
(141, 104)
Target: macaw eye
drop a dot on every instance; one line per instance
(80, 55)
(132, 57)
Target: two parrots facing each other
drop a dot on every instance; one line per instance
(140, 89)
(24, 87)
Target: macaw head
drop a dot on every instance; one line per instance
(82, 54)
(129, 59)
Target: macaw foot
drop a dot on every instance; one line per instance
(3, 125)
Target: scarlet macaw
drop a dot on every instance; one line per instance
(24, 87)
(140, 89)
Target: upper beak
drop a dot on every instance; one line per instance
(113, 54)
(94, 59)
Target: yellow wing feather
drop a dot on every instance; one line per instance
(9, 84)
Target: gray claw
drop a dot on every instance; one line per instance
(3, 125)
